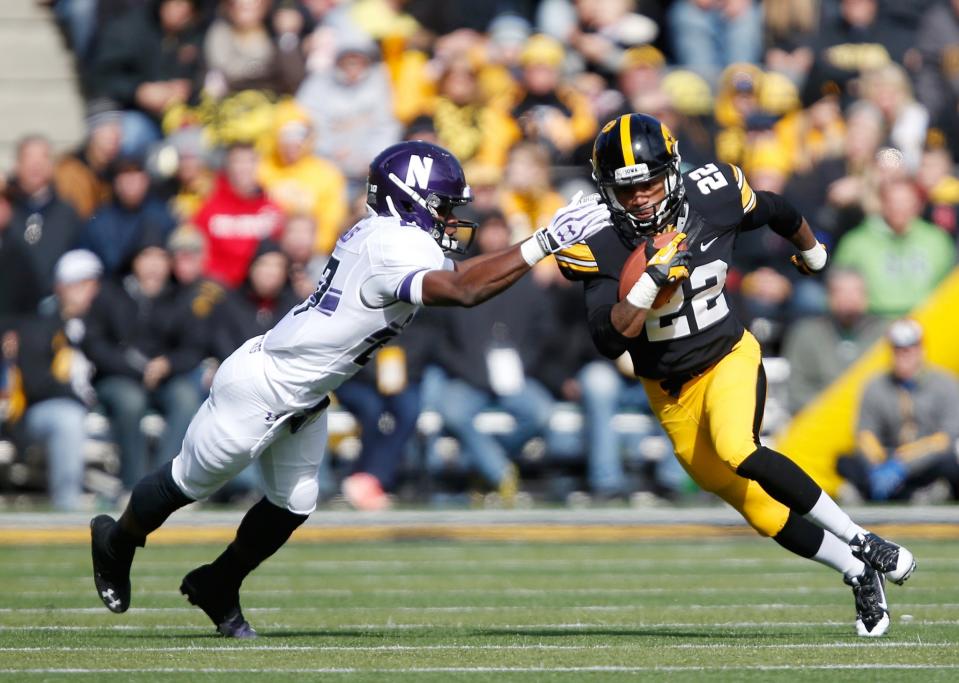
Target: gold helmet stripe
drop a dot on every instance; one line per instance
(626, 140)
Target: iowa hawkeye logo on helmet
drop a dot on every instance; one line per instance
(637, 148)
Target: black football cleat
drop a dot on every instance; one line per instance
(205, 590)
(111, 568)
(896, 562)
(872, 613)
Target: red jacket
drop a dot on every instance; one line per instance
(234, 226)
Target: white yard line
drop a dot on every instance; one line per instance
(491, 669)
(468, 648)
(465, 608)
(519, 627)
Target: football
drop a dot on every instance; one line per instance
(635, 266)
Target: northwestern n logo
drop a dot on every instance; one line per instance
(418, 171)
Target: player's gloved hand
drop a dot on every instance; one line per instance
(582, 218)
(886, 478)
(668, 264)
(811, 260)
(664, 266)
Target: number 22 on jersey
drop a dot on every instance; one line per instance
(707, 305)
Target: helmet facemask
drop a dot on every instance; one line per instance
(440, 209)
(664, 211)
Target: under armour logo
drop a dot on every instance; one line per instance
(109, 598)
(568, 233)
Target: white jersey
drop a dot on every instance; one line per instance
(370, 290)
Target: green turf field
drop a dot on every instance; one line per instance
(736, 609)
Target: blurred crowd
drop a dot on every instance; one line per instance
(226, 148)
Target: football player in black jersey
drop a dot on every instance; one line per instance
(701, 369)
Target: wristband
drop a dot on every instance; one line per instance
(643, 293)
(815, 258)
(532, 251)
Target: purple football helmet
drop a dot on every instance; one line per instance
(421, 184)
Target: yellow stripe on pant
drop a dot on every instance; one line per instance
(711, 427)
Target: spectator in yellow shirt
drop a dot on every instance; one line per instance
(301, 182)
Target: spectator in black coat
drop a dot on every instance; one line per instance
(56, 376)
(258, 305)
(46, 226)
(145, 342)
(146, 60)
(20, 286)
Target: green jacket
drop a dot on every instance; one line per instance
(900, 270)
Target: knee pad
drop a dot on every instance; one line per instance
(301, 500)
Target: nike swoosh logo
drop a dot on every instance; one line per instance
(706, 245)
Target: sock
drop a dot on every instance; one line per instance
(154, 498)
(264, 529)
(836, 554)
(827, 514)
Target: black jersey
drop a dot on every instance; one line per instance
(695, 328)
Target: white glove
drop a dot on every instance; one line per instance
(582, 218)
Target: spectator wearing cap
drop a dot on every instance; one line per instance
(820, 348)
(351, 108)
(145, 342)
(709, 35)
(301, 182)
(82, 177)
(187, 248)
(116, 229)
(56, 376)
(548, 111)
(20, 284)
(908, 424)
(146, 61)
(240, 52)
(902, 257)
(45, 225)
(236, 217)
(755, 109)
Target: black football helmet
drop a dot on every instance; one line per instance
(637, 148)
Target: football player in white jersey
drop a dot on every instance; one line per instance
(268, 399)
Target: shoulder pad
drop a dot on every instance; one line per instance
(577, 262)
(719, 191)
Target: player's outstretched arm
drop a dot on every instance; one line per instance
(479, 278)
(475, 280)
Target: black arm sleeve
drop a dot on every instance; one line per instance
(772, 210)
(601, 296)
